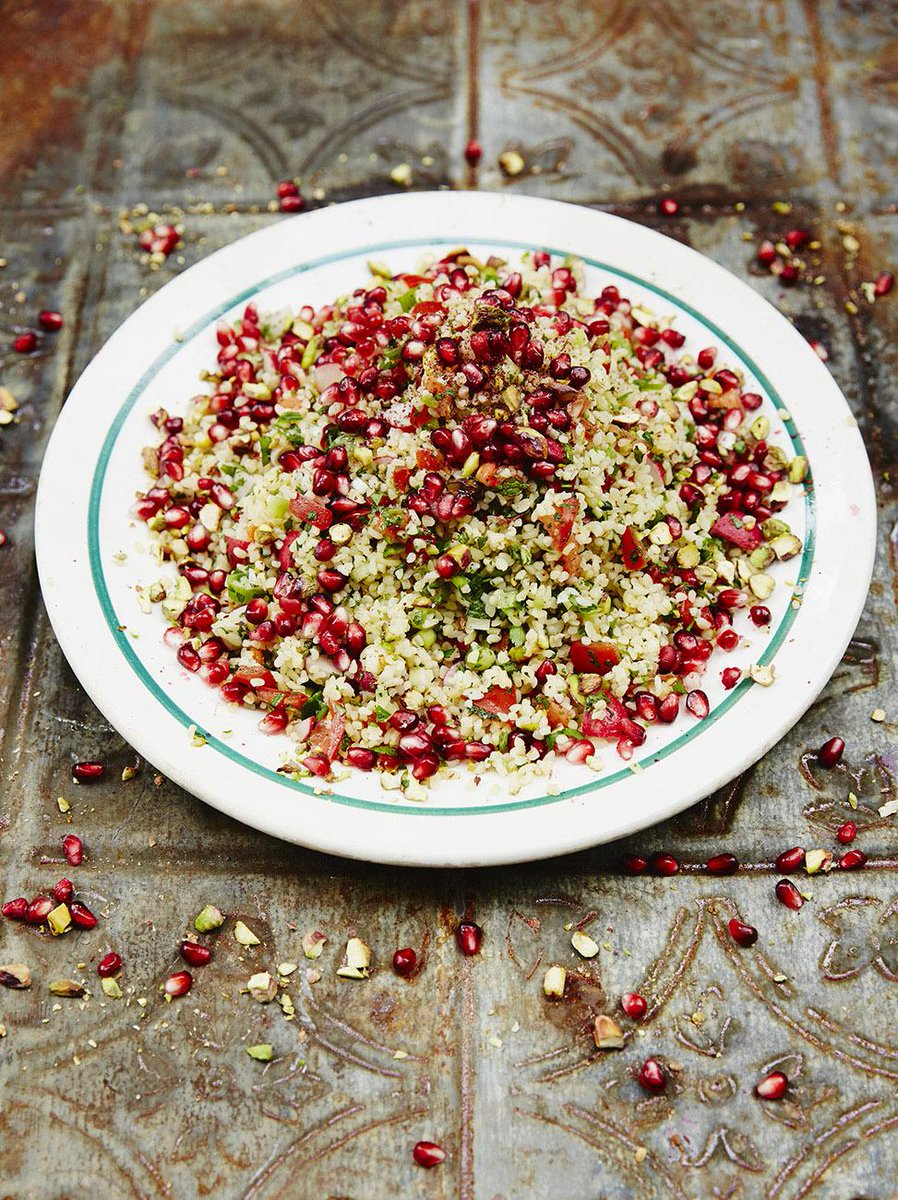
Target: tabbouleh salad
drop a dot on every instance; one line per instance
(466, 516)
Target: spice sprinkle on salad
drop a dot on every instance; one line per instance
(469, 518)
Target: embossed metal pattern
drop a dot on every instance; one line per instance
(608, 103)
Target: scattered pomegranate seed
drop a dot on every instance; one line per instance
(634, 1005)
(796, 238)
(847, 832)
(668, 207)
(831, 752)
(428, 1154)
(664, 864)
(790, 860)
(73, 849)
(469, 936)
(652, 1076)
(25, 342)
(63, 891)
(634, 865)
(287, 187)
(50, 320)
(81, 915)
(178, 984)
(722, 864)
(772, 1086)
(88, 772)
(292, 204)
(195, 954)
(787, 893)
(730, 676)
(473, 153)
(405, 961)
(851, 860)
(766, 253)
(39, 909)
(15, 909)
(742, 934)
(883, 283)
(760, 615)
(108, 965)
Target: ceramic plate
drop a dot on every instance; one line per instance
(92, 554)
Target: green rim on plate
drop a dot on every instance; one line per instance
(115, 627)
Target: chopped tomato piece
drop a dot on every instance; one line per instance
(498, 701)
(570, 560)
(561, 522)
(327, 734)
(285, 558)
(412, 280)
(312, 511)
(428, 306)
(294, 700)
(556, 715)
(632, 550)
(614, 724)
(429, 460)
(730, 528)
(593, 658)
(401, 476)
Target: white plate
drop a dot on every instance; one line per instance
(93, 469)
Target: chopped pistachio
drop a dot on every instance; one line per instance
(583, 944)
(781, 492)
(762, 585)
(607, 1034)
(798, 469)
(761, 558)
(128, 773)
(351, 973)
(358, 954)
(878, 714)
(285, 1000)
(786, 545)
(63, 805)
(212, 918)
(59, 920)
(817, 860)
(111, 988)
(511, 163)
(688, 556)
(401, 174)
(261, 1053)
(15, 975)
(245, 935)
(554, 981)
(313, 943)
(764, 676)
(286, 968)
(67, 987)
(262, 987)
(760, 427)
(852, 803)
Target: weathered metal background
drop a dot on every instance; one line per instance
(205, 106)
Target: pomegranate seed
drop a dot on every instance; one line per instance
(664, 864)
(668, 207)
(787, 893)
(331, 580)
(428, 1154)
(404, 962)
(760, 615)
(790, 860)
(361, 758)
(766, 253)
(772, 1086)
(634, 865)
(730, 677)
(722, 864)
(287, 187)
(73, 849)
(195, 954)
(446, 566)
(63, 891)
(883, 283)
(25, 342)
(847, 832)
(669, 708)
(796, 238)
(634, 1005)
(742, 934)
(479, 751)
(178, 984)
(652, 1076)
(831, 752)
(88, 772)
(469, 936)
(81, 915)
(292, 204)
(50, 320)
(38, 910)
(15, 910)
(706, 357)
(697, 704)
(108, 965)
(851, 860)
(473, 152)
